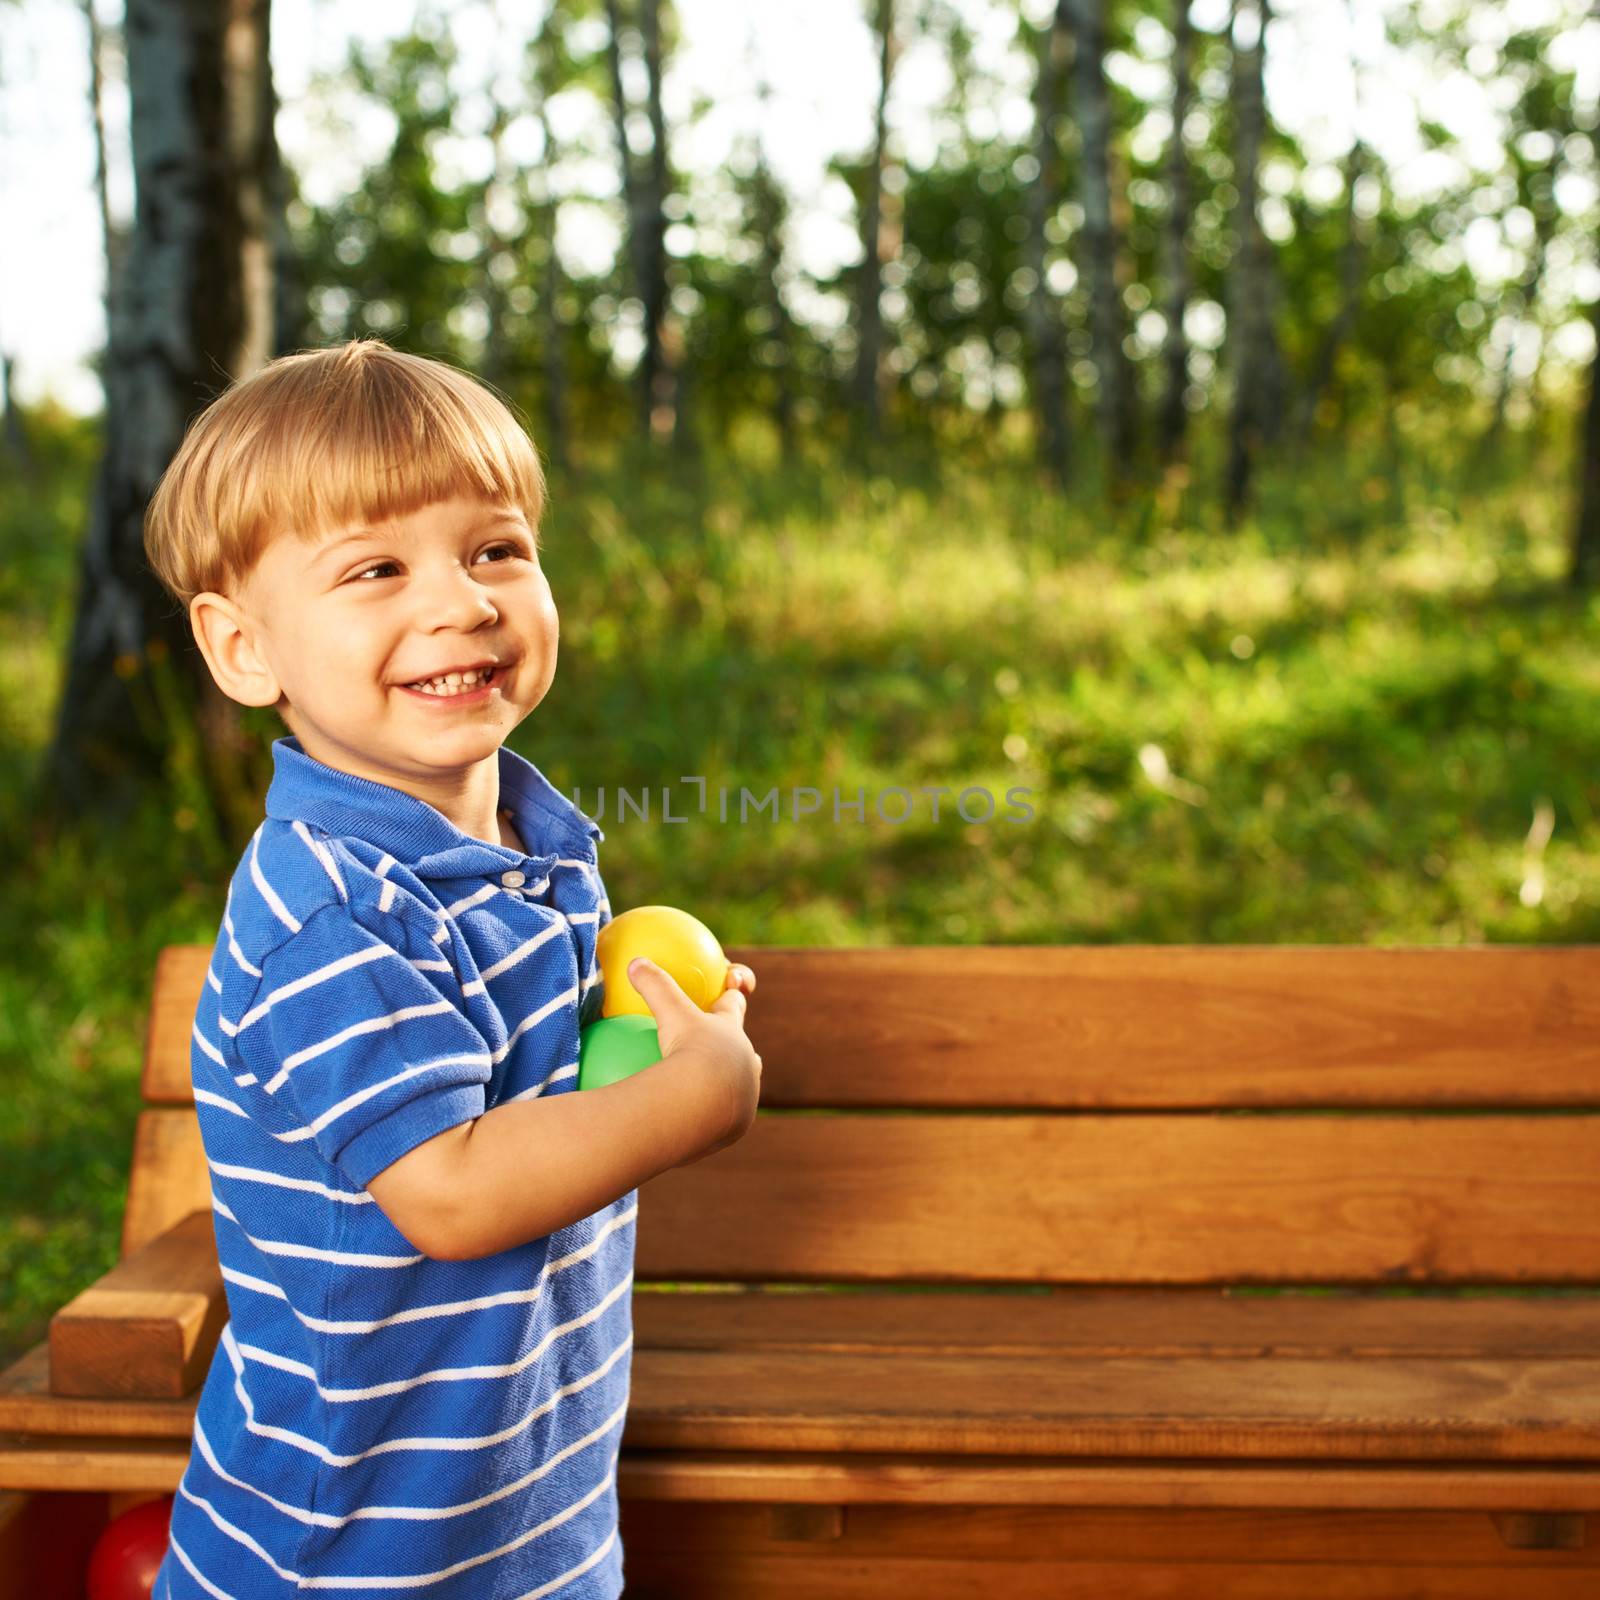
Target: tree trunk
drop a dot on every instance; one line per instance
(1044, 310)
(1585, 572)
(1352, 264)
(782, 328)
(767, 206)
(1173, 424)
(257, 176)
(865, 389)
(495, 363)
(114, 241)
(554, 330)
(644, 192)
(196, 308)
(1545, 217)
(670, 411)
(1257, 365)
(1092, 108)
(17, 446)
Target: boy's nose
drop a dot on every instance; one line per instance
(456, 597)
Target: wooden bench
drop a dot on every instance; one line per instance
(1053, 1183)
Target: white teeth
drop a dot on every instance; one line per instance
(454, 682)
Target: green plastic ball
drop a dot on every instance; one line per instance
(614, 1048)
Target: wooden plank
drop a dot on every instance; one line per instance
(733, 1553)
(1286, 1198)
(180, 977)
(1073, 1323)
(1017, 1535)
(806, 1577)
(168, 1179)
(147, 1329)
(870, 1478)
(1152, 1027)
(1396, 1410)
(91, 1465)
(1241, 1409)
(28, 1407)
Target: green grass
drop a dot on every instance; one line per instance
(1334, 724)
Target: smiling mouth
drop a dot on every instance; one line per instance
(460, 689)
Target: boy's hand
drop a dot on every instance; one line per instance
(714, 1041)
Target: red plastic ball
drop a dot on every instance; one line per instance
(126, 1556)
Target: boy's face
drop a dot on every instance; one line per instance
(331, 633)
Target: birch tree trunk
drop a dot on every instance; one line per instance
(1173, 424)
(865, 385)
(113, 239)
(197, 306)
(1585, 572)
(1257, 364)
(1092, 109)
(1044, 310)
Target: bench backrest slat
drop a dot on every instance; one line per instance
(1128, 1026)
(1116, 1115)
(168, 1178)
(1287, 1198)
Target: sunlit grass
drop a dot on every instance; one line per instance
(1335, 723)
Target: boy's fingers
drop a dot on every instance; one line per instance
(730, 1003)
(740, 977)
(661, 991)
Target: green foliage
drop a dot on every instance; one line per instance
(408, 252)
(395, 256)
(1335, 724)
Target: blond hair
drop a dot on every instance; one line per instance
(322, 439)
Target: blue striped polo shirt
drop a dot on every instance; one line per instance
(377, 1422)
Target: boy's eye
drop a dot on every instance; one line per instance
(377, 566)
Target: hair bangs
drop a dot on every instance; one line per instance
(328, 439)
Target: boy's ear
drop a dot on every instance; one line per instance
(226, 638)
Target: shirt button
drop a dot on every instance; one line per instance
(513, 879)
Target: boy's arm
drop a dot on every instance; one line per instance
(531, 1167)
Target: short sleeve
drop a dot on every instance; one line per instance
(359, 1044)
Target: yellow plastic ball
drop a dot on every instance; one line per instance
(678, 943)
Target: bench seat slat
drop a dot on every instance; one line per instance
(27, 1406)
(849, 1375)
(115, 1464)
(1396, 1410)
(1075, 1323)
(1126, 1026)
(785, 1478)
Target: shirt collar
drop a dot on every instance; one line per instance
(419, 835)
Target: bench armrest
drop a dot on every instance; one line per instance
(147, 1329)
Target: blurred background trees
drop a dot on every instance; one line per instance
(1103, 255)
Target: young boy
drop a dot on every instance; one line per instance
(426, 1236)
